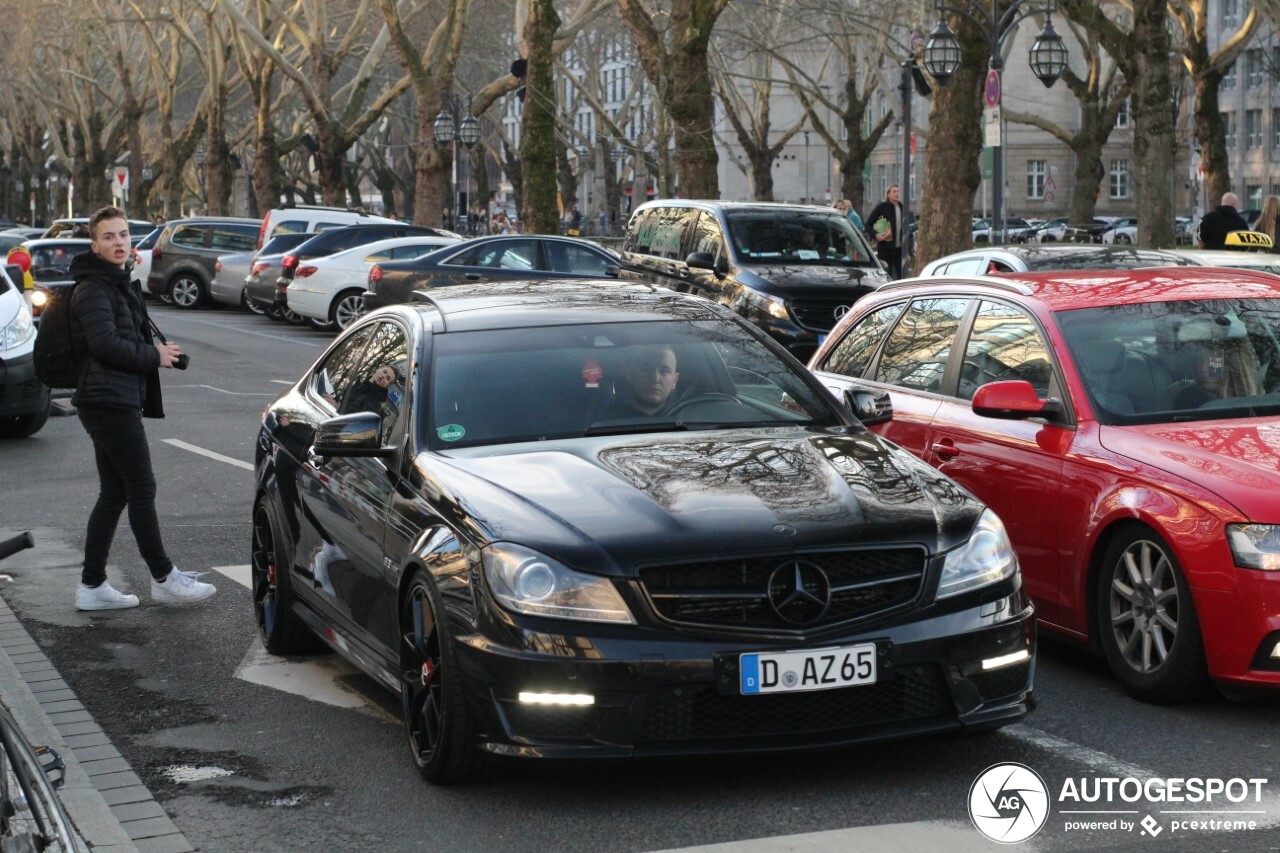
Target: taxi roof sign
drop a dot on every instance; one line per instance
(1248, 240)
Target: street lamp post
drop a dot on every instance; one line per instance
(450, 130)
(1047, 58)
(806, 167)
(200, 176)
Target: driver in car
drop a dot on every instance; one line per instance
(651, 376)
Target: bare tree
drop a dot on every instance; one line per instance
(537, 133)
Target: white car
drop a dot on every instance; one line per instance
(329, 291)
(1123, 232)
(24, 400)
(142, 259)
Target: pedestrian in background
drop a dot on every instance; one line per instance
(1266, 223)
(846, 207)
(118, 386)
(884, 228)
(1220, 221)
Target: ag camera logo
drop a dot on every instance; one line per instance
(1008, 803)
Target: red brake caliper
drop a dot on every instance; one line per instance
(271, 572)
(428, 671)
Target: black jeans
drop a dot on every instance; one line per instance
(124, 479)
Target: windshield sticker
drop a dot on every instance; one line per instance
(450, 432)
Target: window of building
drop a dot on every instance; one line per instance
(1229, 78)
(884, 181)
(1122, 117)
(1036, 171)
(1119, 178)
(1230, 12)
(1253, 128)
(1253, 192)
(1229, 130)
(1253, 67)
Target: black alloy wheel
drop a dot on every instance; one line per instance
(280, 629)
(1147, 622)
(186, 290)
(440, 729)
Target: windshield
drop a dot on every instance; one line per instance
(1166, 362)
(796, 237)
(516, 385)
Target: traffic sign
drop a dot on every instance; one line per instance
(122, 179)
(913, 145)
(991, 128)
(991, 91)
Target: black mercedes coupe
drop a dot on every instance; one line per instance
(594, 519)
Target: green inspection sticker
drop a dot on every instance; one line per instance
(450, 432)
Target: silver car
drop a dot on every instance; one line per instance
(229, 274)
(1055, 256)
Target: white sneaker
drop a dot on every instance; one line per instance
(181, 587)
(103, 597)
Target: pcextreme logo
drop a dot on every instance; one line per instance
(1008, 803)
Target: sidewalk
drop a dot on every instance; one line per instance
(109, 807)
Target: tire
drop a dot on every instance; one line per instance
(23, 426)
(250, 305)
(293, 318)
(279, 628)
(1147, 622)
(1123, 240)
(187, 291)
(31, 815)
(321, 325)
(438, 724)
(347, 307)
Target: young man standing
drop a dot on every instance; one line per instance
(119, 385)
(884, 228)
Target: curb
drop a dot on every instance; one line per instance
(109, 807)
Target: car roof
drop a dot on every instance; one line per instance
(1228, 258)
(1057, 251)
(731, 206)
(559, 302)
(1069, 290)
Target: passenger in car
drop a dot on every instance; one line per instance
(650, 378)
(368, 395)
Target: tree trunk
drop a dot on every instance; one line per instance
(431, 168)
(761, 176)
(692, 109)
(1153, 140)
(1210, 134)
(538, 132)
(266, 162)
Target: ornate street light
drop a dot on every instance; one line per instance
(1047, 58)
(448, 130)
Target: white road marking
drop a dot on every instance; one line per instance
(281, 381)
(1063, 748)
(318, 678)
(209, 453)
(227, 328)
(225, 391)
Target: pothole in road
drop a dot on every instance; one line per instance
(184, 773)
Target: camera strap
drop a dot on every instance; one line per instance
(156, 330)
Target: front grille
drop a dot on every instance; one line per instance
(737, 593)
(700, 712)
(819, 314)
(1006, 681)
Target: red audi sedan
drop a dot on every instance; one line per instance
(1125, 426)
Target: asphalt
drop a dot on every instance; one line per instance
(109, 807)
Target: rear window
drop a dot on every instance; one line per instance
(290, 226)
(234, 237)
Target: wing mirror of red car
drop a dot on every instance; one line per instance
(869, 407)
(1013, 400)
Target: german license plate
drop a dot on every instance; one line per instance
(812, 669)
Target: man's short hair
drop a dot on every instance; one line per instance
(1230, 200)
(103, 215)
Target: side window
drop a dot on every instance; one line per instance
(190, 235)
(503, 254)
(383, 255)
(234, 238)
(566, 257)
(964, 266)
(672, 222)
(998, 266)
(916, 351)
(852, 354)
(328, 226)
(338, 372)
(379, 378)
(640, 235)
(406, 253)
(1004, 344)
(290, 226)
(707, 237)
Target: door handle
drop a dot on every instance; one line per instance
(945, 448)
(472, 276)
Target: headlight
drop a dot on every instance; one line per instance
(39, 299)
(20, 330)
(1255, 546)
(528, 582)
(767, 304)
(986, 558)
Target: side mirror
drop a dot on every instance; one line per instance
(356, 434)
(1013, 400)
(869, 407)
(15, 273)
(700, 261)
(612, 270)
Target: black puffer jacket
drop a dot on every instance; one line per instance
(109, 323)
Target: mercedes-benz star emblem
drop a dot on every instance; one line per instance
(840, 311)
(799, 592)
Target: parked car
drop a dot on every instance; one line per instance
(142, 256)
(793, 270)
(1062, 256)
(78, 227)
(1051, 231)
(229, 275)
(311, 219)
(1123, 232)
(329, 291)
(750, 571)
(184, 254)
(1123, 426)
(260, 286)
(1246, 250)
(24, 399)
(340, 239)
(45, 262)
(488, 259)
(1014, 229)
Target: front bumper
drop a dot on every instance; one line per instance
(1241, 629)
(21, 393)
(662, 693)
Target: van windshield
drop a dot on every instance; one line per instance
(797, 237)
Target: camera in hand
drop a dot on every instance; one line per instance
(181, 362)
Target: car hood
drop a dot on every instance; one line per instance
(1238, 460)
(789, 280)
(609, 504)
